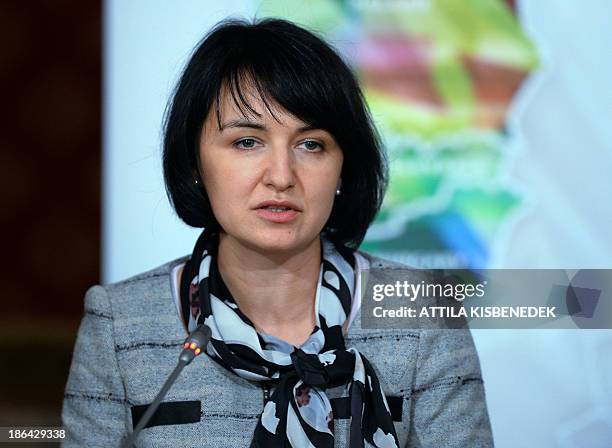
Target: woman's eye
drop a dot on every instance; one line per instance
(246, 143)
(312, 145)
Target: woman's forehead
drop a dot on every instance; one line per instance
(250, 107)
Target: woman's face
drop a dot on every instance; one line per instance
(255, 159)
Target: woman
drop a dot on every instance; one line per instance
(269, 147)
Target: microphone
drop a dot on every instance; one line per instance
(192, 347)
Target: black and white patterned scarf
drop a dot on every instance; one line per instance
(298, 413)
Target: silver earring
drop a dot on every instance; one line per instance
(338, 192)
(338, 187)
(196, 181)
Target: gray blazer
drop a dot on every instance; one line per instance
(130, 337)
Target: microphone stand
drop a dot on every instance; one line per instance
(192, 347)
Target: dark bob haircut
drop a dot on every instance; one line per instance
(304, 75)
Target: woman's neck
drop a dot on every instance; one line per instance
(276, 291)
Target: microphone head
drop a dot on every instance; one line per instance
(201, 335)
(196, 342)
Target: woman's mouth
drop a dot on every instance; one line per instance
(277, 214)
(277, 209)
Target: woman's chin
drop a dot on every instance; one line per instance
(277, 245)
(271, 240)
(278, 242)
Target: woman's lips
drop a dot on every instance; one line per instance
(284, 216)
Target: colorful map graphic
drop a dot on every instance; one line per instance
(439, 77)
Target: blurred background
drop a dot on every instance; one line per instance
(495, 115)
(50, 162)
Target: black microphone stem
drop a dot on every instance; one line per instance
(192, 347)
(154, 405)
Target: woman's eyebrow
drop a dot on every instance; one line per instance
(242, 124)
(308, 127)
(250, 124)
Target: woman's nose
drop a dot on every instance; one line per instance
(279, 170)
